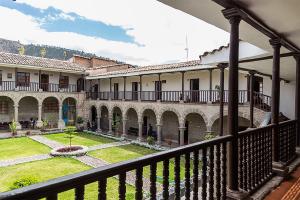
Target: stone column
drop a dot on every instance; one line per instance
(210, 85)
(159, 138)
(140, 131)
(61, 123)
(110, 124)
(16, 107)
(124, 128)
(39, 122)
(297, 98)
(99, 121)
(181, 135)
(251, 77)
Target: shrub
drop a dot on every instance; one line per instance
(79, 120)
(13, 127)
(45, 123)
(70, 130)
(24, 181)
(209, 136)
(150, 140)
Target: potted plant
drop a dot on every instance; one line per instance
(150, 140)
(79, 124)
(116, 124)
(13, 128)
(44, 125)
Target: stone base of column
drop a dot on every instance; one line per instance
(99, 130)
(209, 102)
(123, 99)
(140, 139)
(61, 124)
(234, 195)
(158, 101)
(40, 90)
(18, 126)
(280, 169)
(181, 101)
(39, 124)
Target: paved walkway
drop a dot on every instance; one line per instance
(50, 143)
(287, 190)
(5, 163)
(108, 145)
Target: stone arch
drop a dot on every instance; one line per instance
(93, 117)
(30, 95)
(51, 96)
(104, 116)
(198, 111)
(132, 121)
(131, 106)
(149, 107)
(71, 97)
(195, 127)
(117, 118)
(118, 105)
(8, 103)
(28, 110)
(170, 122)
(171, 109)
(50, 110)
(69, 110)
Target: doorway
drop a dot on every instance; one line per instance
(157, 90)
(116, 90)
(194, 90)
(135, 90)
(186, 133)
(258, 84)
(95, 91)
(45, 82)
(145, 126)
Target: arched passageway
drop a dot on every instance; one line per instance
(28, 112)
(69, 111)
(132, 126)
(93, 118)
(243, 125)
(149, 123)
(6, 112)
(50, 111)
(117, 123)
(104, 120)
(195, 128)
(169, 129)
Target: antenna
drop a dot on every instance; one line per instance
(186, 48)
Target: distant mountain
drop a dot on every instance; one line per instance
(59, 53)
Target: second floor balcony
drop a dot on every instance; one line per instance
(36, 87)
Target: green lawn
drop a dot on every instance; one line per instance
(53, 168)
(13, 148)
(127, 152)
(84, 139)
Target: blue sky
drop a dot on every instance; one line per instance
(134, 31)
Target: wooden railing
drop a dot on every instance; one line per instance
(255, 157)
(287, 141)
(35, 87)
(207, 158)
(262, 101)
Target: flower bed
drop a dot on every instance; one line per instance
(69, 151)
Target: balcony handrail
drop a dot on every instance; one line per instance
(250, 131)
(55, 186)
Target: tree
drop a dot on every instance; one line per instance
(21, 50)
(43, 52)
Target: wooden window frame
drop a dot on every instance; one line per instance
(63, 81)
(23, 79)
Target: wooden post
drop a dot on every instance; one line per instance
(182, 86)
(210, 85)
(124, 95)
(141, 88)
(40, 79)
(234, 17)
(275, 95)
(297, 98)
(251, 84)
(109, 89)
(221, 116)
(159, 88)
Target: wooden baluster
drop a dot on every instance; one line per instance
(218, 171)
(79, 192)
(187, 176)
(139, 183)
(211, 172)
(241, 167)
(153, 168)
(177, 177)
(256, 164)
(166, 179)
(224, 171)
(52, 197)
(260, 160)
(196, 174)
(204, 171)
(102, 189)
(122, 186)
(245, 163)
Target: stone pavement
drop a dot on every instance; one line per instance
(108, 145)
(5, 163)
(50, 143)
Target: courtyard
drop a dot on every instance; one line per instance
(28, 158)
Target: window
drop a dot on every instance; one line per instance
(23, 79)
(0, 78)
(63, 82)
(4, 107)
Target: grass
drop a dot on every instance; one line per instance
(13, 148)
(53, 168)
(84, 139)
(127, 152)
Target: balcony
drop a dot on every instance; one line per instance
(260, 100)
(35, 87)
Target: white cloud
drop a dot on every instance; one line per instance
(160, 29)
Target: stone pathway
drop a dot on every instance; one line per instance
(108, 145)
(50, 143)
(5, 163)
(91, 161)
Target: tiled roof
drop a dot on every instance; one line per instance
(10, 58)
(213, 51)
(148, 68)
